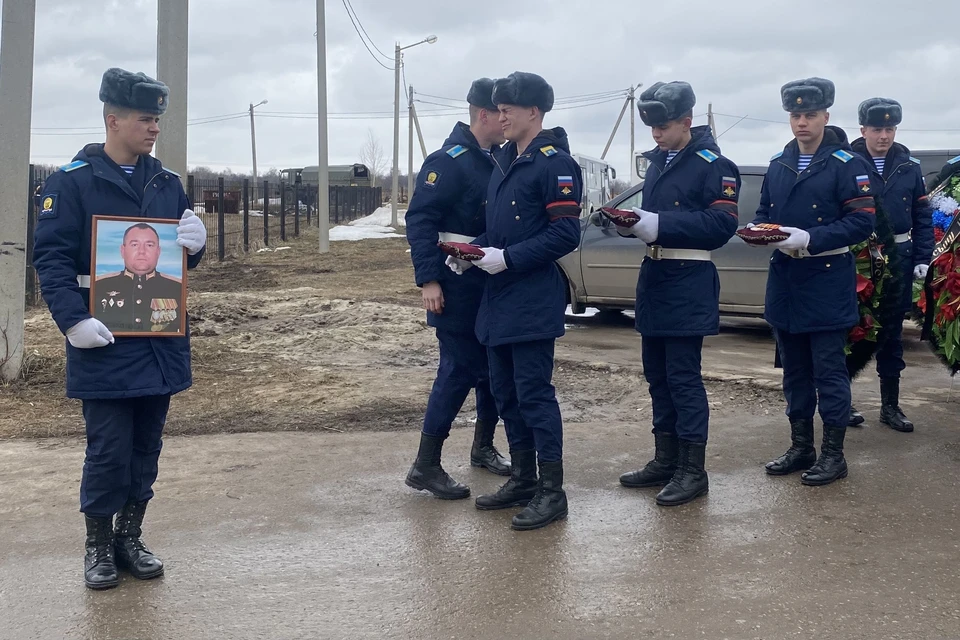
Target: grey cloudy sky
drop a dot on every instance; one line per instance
(736, 54)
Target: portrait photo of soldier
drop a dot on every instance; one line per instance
(139, 286)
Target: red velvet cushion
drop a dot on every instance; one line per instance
(762, 234)
(461, 250)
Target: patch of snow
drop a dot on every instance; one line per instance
(365, 232)
(380, 218)
(588, 313)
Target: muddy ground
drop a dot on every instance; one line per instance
(295, 340)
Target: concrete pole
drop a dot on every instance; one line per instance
(416, 122)
(410, 150)
(16, 101)
(633, 131)
(172, 40)
(395, 186)
(253, 144)
(323, 190)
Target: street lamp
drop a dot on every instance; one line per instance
(395, 187)
(253, 138)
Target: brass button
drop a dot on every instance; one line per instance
(676, 204)
(904, 199)
(814, 206)
(137, 320)
(828, 265)
(139, 301)
(139, 286)
(514, 203)
(518, 217)
(819, 219)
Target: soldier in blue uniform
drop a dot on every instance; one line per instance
(125, 383)
(533, 210)
(821, 194)
(449, 204)
(689, 209)
(904, 198)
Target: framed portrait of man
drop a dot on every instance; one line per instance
(138, 284)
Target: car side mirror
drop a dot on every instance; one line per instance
(598, 219)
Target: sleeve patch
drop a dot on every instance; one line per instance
(48, 206)
(565, 185)
(708, 155)
(432, 178)
(863, 184)
(729, 187)
(843, 156)
(457, 151)
(548, 151)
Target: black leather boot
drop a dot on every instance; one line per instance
(519, 489)
(132, 554)
(856, 418)
(660, 470)
(99, 566)
(890, 412)
(484, 454)
(801, 455)
(548, 504)
(690, 480)
(426, 474)
(831, 464)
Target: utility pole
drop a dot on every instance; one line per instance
(710, 122)
(416, 122)
(253, 138)
(410, 150)
(395, 185)
(172, 47)
(323, 178)
(16, 101)
(633, 133)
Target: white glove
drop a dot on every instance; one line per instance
(493, 261)
(648, 229)
(191, 234)
(920, 271)
(799, 239)
(457, 265)
(89, 334)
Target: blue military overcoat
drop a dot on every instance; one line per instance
(93, 185)
(833, 199)
(533, 210)
(451, 197)
(903, 195)
(696, 196)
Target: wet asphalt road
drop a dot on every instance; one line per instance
(316, 536)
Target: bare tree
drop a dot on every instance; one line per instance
(618, 186)
(372, 155)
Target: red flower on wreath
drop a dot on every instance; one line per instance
(857, 334)
(867, 322)
(937, 234)
(952, 283)
(865, 288)
(922, 302)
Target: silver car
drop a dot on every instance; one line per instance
(602, 272)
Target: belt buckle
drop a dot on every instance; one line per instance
(655, 252)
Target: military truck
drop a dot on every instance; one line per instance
(308, 179)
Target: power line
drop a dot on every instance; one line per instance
(856, 128)
(350, 8)
(365, 45)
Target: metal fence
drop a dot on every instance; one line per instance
(240, 216)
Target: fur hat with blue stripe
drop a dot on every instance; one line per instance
(809, 94)
(665, 101)
(136, 91)
(524, 90)
(880, 112)
(481, 94)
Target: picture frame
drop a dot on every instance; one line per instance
(138, 276)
